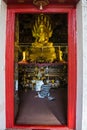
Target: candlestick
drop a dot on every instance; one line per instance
(24, 55)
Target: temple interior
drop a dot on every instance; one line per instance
(41, 52)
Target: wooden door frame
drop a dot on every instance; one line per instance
(71, 115)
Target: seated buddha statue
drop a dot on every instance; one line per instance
(42, 33)
(42, 50)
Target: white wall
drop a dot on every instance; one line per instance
(81, 115)
(0, 2)
(2, 63)
(84, 106)
(79, 67)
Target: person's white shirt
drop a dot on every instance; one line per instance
(38, 85)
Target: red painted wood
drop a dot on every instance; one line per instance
(73, 2)
(43, 127)
(32, 9)
(72, 69)
(10, 70)
(71, 65)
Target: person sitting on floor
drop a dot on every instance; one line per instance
(45, 91)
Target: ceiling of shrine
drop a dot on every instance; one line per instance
(51, 2)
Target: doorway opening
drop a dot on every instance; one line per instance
(41, 52)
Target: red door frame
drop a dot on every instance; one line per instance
(71, 114)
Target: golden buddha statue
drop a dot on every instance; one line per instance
(42, 50)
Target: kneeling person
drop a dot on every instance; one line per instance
(45, 91)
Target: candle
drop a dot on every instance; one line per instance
(24, 55)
